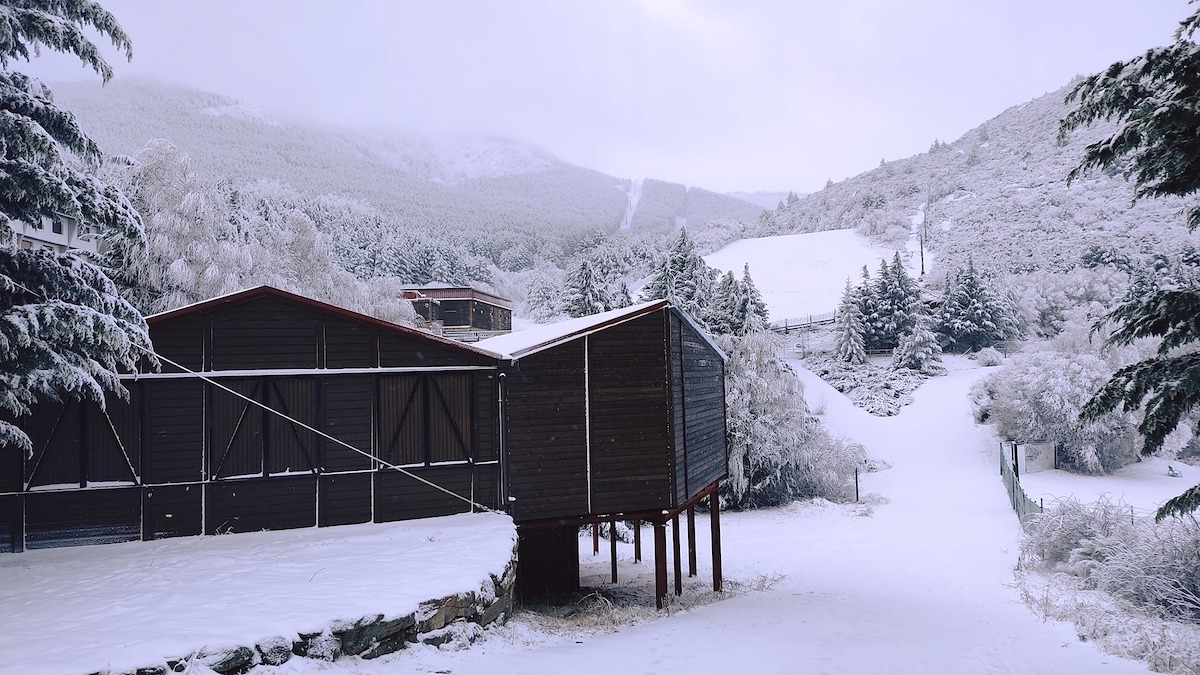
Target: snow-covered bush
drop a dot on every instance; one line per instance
(1158, 569)
(1069, 534)
(1047, 299)
(879, 391)
(776, 453)
(987, 357)
(1038, 396)
(1153, 566)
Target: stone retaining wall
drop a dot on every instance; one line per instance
(434, 622)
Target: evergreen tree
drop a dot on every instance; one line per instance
(621, 298)
(868, 307)
(752, 315)
(849, 329)
(880, 330)
(683, 278)
(64, 329)
(973, 315)
(724, 306)
(1153, 100)
(905, 295)
(919, 349)
(583, 294)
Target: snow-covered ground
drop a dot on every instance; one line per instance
(120, 606)
(803, 274)
(916, 579)
(1144, 485)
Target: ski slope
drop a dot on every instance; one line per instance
(804, 274)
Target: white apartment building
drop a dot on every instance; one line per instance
(54, 234)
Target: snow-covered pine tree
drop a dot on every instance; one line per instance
(724, 305)
(868, 306)
(620, 298)
(919, 349)
(881, 333)
(905, 295)
(64, 329)
(583, 293)
(973, 315)
(683, 278)
(752, 315)
(849, 329)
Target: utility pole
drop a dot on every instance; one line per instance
(924, 226)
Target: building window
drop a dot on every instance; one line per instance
(56, 226)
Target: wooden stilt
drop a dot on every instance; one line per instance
(595, 538)
(660, 565)
(637, 541)
(678, 558)
(691, 521)
(714, 512)
(612, 547)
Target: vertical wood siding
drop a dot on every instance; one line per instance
(630, 409)
(546, 434)
(173, 437)
(348, 415)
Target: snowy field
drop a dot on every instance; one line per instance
(918, 578)
(120, 606)
(1144, 485)
(803, 274)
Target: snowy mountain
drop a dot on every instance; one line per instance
(998, 194)
(462, 184)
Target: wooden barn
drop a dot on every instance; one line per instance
(617, 416)
(187, 455)
(274, 411)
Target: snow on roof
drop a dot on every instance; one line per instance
(536, 338)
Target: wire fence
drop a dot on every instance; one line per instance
(1026, 509)
(788, 325)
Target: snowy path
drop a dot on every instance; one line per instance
(921, 584)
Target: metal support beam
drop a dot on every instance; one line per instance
(595, 538)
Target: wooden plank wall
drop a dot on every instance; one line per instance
(706, 457)
(546, 434)
(182, 457)
(630, 411)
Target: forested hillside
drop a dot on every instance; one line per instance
(999, 193)
(459, 185)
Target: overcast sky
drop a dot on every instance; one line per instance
(727, 95)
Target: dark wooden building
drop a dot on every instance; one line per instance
(461, 307)
(274, 411)
(618, 416)
(186, 455)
